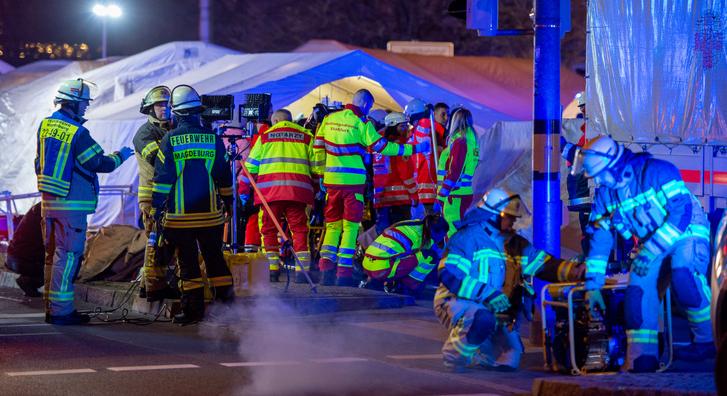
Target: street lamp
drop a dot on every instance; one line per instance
(105, 11)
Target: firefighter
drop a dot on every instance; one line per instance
(281, 164)
(191, 176)
(483, 277)
(66, 164)
(643, 197)
(425, 171)
(579, 192)
(394, 186)
(457, 166)
(342, 142)
(146, 143)
(407, 251)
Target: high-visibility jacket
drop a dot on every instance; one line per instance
(457, 165)
(423, 163)
(579, 192)
(655, 206)
(191, 176)
(67, 161)
(401, 240)
(281, 160)
(342, 142)
(393, 180)
(146, 145)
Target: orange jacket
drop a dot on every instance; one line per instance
(393, 180)
(423, 164)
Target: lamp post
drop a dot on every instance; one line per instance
(105, 11)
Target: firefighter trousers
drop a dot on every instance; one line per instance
(156, 261)
(191, 283)
(689, 262)
(344, 212)
(295, 216)
(453, 210)
(65, 239)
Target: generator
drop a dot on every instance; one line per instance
(580, 342)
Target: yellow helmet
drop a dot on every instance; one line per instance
(157, 94)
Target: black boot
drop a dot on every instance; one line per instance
(274, 276)
(28, 286)
(328, 278)
(73, 318)
(224, 294)
(192, 303)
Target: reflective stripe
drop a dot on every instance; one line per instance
(162, 188)
(62, 204)
(596, 265)
(149, 149)
(580, 201)
(60, 296)
(698, 231)
(344, 149)
(226, 191)
(698, 315)
(89, 153)
(674, 188)
(642, 336)
(461, 263)
(301, 161)
(342, 169)
(383, 248)
(285, 183)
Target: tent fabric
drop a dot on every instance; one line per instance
(113, 253)
(657, 69)
(5, 67)
(23, 107)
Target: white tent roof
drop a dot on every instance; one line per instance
(5, 67)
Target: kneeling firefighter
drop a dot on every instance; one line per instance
(407, 251)
(191, 176)
(146, 143)
(482, 279)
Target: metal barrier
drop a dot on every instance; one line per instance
(11, 208)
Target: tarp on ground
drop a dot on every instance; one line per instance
(23, 107)
(657, 68)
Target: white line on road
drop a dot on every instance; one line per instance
(24, 325)
(157, 367)
(50, 372)
(415, 357)
(26, 315)
(12, 299)
(339, 360)
(29, 334)
(259, 364)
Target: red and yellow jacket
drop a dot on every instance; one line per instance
(393, 180)
(423, 164)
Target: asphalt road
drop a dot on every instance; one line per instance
(254, 350)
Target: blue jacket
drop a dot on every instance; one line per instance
(67, 161)
(480, 261)
(655, 207)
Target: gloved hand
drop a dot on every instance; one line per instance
(243, 199)
(642, 261)
(418, 212)
(595, 299)
(125, 153)
(424, 146)
(323, 187)
(437, 207)
(498, 302)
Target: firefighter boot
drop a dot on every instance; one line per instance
(696, 352)
(304, 258)
(170, 293)
(192, 307)
(73, 318)
(328, 277)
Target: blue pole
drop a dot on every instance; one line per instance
(546, 127)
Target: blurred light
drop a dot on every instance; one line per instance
(111, 10)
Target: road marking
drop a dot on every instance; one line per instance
(50, 372)
(12, 299)
(415, 357)
(259, 364)
(414, 327)
(24, 325)
(29, 334)
(339, 360)
(26, 315)
(157, 367)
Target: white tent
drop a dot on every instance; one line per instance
(5, 67)
(22, 107)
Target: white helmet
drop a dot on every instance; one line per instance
(581, 98)
(415, 106)
(599, 154)
(185, 100)
(395, 118)
(77, 90)
(377, 116)
(502, 202)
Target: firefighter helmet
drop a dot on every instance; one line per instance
(502, 202)
(394, 118)
(415, 106)
(155, 95)
(581, 98)
(185, 100)
(599, 154)
(78, 90)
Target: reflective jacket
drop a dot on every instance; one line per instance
(281, 161)
(579, 191)
(399, 241)
(393, 181)
(423, 164)
(67, 161)
(191, 176)
(481, 262)
(146, 147)
(457, 165)
(342, 142)
(655, 207)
